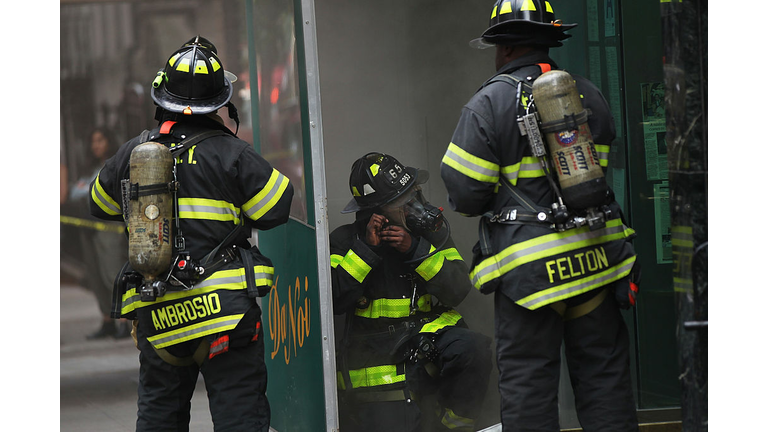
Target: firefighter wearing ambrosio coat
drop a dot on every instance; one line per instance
(397, 276)
(557, 276)
(199, 314)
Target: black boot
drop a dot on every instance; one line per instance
(108, 328)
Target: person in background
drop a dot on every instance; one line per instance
(104, 245)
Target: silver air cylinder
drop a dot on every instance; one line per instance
(571, 148)
(150, 213)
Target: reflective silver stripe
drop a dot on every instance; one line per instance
(512, 176)
(197, 208)
(263, 202)
(522, 253)
(237, 281)
(263, 275)
(233, 279)
(104, 201)
(529, 167)
(602, 153)
(581, 286)
(470, 165)
(195, 331)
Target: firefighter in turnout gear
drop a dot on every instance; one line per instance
(556, 279)
(200, 315)
(397, 277)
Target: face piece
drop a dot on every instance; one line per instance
(412, 211)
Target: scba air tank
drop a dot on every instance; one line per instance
(150, 210)
(571, 148)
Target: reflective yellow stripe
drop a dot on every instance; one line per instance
(528, 6)
(173, 59)
(682, 242)
(579, 286)
(263, 201)
(371, 377)
(453, 421)
(194, 331)
(471, 166)
(528, 167)
(233, 279)
(355, 266)
(336, 260)
(208, 209)
(115, 227)
(263, 275)
(432, 265)
(506, 7)
(374, 169)
(446, 319)
(183, 65)
(545, 246)
(201, 67)
(103, 200)
(214, 63)
(493, 13)
(549, 7)
(682, 285)
(682, 252)
(394, 308)
(602, 154)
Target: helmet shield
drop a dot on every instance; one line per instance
(377, 179)
(523, 22)
(193, 80)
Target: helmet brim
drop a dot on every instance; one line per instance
(522, 32)
(421, 177)
(171, 103)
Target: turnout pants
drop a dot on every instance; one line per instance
(236, 380)
(597, 352)
(457, 380)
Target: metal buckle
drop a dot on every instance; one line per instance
(505, 215)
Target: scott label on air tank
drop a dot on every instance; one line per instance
(564, 123)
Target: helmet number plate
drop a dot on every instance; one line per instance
(397, 175)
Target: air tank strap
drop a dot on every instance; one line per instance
(573, 312)
(197, 358)
(568, 122)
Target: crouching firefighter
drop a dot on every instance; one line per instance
(407, 360)
(528, 157)
(190, 193)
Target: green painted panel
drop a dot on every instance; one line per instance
(291, 311)
(617, 45)
(292, 330)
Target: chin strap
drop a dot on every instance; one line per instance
(233, 115)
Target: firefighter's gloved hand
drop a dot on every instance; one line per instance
(627, 288)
